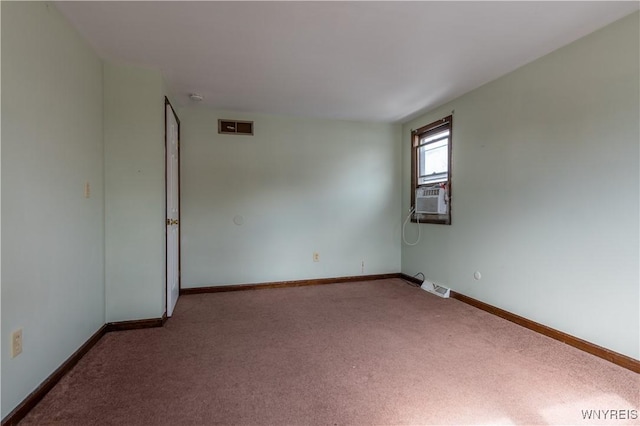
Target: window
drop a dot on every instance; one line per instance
(431, 172)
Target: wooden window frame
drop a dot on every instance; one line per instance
(443, 219)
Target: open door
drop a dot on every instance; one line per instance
(172, 154)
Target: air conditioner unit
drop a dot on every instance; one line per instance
(431, 200)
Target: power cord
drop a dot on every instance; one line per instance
(414, 284)
(411, 211)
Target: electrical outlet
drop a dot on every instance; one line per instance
(16, 343)
(87, 190)
(316, 257)
(363, 266)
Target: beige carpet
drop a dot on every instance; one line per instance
(372, 353)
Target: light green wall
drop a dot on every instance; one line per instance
(52, 237)
(134, 193)
(545, 191)
(301, 185)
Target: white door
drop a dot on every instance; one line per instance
(173, 208)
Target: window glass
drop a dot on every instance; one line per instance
(433, 161)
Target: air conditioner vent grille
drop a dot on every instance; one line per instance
(430, 201)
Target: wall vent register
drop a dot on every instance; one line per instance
(235, 127)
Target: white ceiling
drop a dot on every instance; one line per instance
(371, 61)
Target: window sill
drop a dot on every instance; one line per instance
(439, 219)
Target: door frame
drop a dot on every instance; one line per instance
(166, 260)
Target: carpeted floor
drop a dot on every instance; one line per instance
(372, 353)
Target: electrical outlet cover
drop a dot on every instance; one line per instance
(16, 343)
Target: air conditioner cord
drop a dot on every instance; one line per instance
(411, 211)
